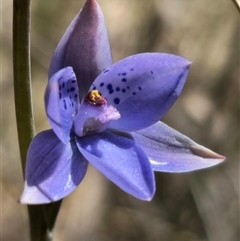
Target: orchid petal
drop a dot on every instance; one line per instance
(84, 46)
(53, 169)
(62, 102)
(120, 160)
(142, 87)
(171, 151)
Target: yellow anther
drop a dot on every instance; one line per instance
(94, 97)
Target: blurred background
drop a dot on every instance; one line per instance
(198, 206)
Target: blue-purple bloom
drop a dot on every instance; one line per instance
(108, 114)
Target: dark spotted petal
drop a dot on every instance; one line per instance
(53, 169)
(84, 46)
(171, 151)
(62, 102)
(142, 87)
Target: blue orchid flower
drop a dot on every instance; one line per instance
(108, 115)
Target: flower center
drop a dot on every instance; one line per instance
(94, 114)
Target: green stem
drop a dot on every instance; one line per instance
(22, 75)
(41, 218)
(38, 226)
(51, 212)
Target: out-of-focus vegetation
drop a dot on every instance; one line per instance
(200, 206)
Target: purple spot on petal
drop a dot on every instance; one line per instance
(117, 89)
(110, 88)
(124, 80)
(116, 101)
(123, 74)
(64, 104)
(131, 69)
(139, 87)
(72, 89)
(102, 84)
(123, 90)
(134, 93)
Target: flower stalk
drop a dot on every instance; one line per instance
(22, 76)
(40, 218)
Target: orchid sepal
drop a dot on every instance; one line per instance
(53, 169)
(171, 151)
(84, 46)
(121, 160)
